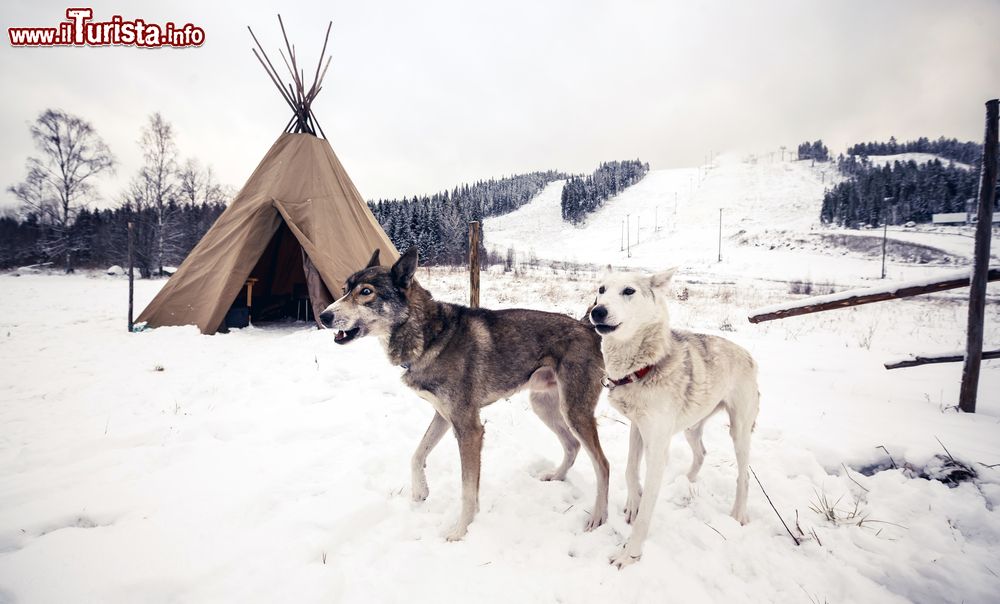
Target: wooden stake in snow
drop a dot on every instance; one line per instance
(131, 272)
(474, 264)
(981, 270)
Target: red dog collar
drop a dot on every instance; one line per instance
(635, 376)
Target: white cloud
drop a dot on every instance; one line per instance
(422, 96)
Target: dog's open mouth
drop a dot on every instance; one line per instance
(343, 337)
(604, 328)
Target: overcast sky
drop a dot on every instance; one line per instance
(424, 95)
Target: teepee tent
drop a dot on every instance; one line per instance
(292, 235)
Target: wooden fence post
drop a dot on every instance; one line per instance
(981, 261)
(474, 264)
(131, 274)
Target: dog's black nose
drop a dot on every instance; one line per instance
(326, 317)
(598, 314)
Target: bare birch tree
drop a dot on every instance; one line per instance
(197, 185)
(60, 182)
(159, 176)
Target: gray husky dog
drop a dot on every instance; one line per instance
(668, 381)
(460, 359)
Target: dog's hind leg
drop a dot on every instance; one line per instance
(437, 428)
(693, 435)
(579, 399)
(469, 432)
(742, 407)
(632, 473)
(545, 403)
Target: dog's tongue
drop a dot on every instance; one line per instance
(340, 335)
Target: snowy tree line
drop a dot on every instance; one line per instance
(170, 202)
(582, 195)
(99, 238)
(950, 148)
(815, 150)
(897, 193)
(438, 224)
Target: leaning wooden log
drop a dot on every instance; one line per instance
(930, 359)
(857, 297)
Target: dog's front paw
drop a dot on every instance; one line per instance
(553, 475)
(623, 558)
(457, 532)
(595, 521)
(740, 516)
(632, 508)
(419, 491)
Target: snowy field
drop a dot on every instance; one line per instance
(271, 465)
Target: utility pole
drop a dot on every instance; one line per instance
(885, 234)
(622, 248)
(628, 234)
(720, 234)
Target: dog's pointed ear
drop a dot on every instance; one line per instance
(402, 272)
(662, 279)
(374, 259)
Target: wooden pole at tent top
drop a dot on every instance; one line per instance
(474, 264)
(981, 260)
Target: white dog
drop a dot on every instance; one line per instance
(667, 381)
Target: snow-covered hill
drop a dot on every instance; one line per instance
(769, 226)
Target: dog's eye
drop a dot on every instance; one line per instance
(600, 290)
(628, 291)
(366, 291)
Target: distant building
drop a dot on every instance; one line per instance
(951, 218)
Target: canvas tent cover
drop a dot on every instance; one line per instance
(299, 182)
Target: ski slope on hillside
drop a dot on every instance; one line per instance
(672, 217)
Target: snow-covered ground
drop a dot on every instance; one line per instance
(270, 464)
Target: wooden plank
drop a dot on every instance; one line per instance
(876, 294)
(917, 360)
(474, 264)
(981, 260)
